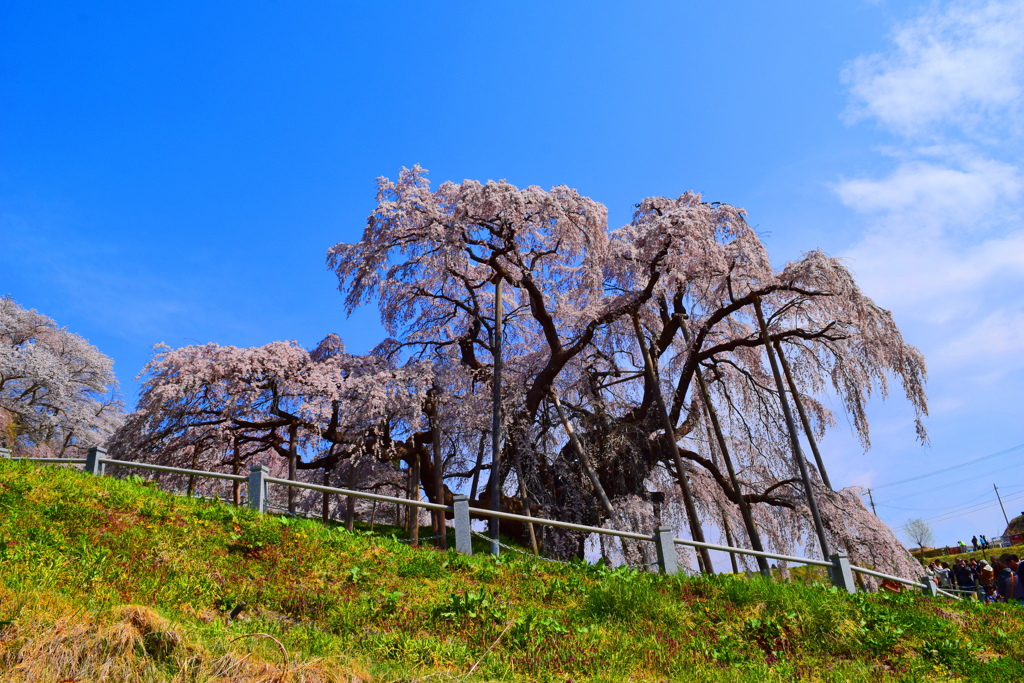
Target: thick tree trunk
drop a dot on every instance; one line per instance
(479, 465)
(495, 478)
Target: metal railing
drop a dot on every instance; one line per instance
(839, 568)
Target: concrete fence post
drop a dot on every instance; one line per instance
(258, 487)
(842, 575)
(928, 587)
(662, 538)
(463, 540)
(92, 461)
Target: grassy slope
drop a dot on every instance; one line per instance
(103, 579)
(976, 554)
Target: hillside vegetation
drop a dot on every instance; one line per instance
(113, 580)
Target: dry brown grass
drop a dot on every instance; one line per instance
(48, 641)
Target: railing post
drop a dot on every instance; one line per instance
(463, 541)
(92, 461)
(928, 587)
(666, 550)
(842, 575)
(258, 487)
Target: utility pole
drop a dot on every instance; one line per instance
(1000, 498)
(872, 499)
(496, 418)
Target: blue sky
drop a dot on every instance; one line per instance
(176, 173)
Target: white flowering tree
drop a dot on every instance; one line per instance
(635, 360)
(58, 395)
(206, 406)
(683, 277)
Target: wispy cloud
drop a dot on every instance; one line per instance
(961, 65)
(943, 241)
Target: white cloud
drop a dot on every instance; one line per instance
(937, 192)
(943, 241)
(927, 276)
(1000, 334)
(962, 65)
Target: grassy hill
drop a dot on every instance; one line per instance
(110, 580)
(975, 554)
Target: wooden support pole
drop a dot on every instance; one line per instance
(414, 495)
(712, 415)
(526, 511)
(293, 461)
(495, 477)
(439, 525)
(803, 415)
(325, 504)
(703, 556)
(584, 459)
(794, 441)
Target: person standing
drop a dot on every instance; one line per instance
(974, 542)
(945, 576)
(986, 578)
(964, 577)
(1008, 583)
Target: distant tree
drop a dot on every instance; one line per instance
(210, 407)
(918, 531)
(58, 394)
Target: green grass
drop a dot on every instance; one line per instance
(1017, 550)
(110, 580)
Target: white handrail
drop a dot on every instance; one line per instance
(173, 470)
(357, 494)
(75, 461)
(890, 577)
(482, 512)
(756, 553)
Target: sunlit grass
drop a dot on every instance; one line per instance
(147, 581)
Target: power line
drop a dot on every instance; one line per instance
(950, 468)
(941, 509)
(958, 482)
(969, 510)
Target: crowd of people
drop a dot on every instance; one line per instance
(993, 580)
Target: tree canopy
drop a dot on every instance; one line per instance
(58, 395)
(602, 328)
